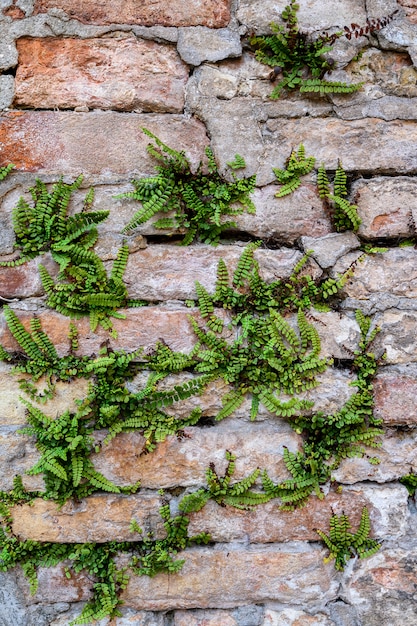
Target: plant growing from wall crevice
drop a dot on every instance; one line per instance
(197, 201)
(299, 60)
(344, 545)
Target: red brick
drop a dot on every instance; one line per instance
(77, 522)
(101, 144)
(212, 13)
(106, 73)
(395, 398)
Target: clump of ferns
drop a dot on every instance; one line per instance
(46, 225)
(344, 214)
(219, 488)
(299, 60)
(65, 444)
(197, 202)
(83, 287)
(5, 170)
(110, 403)
(410, 481)
(149, 556)
(343, 544)
(328, 439)
(38, 357)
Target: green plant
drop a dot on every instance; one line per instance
(410, 481)
(65, 443)
(196, 202)
(87, 290)
(345, 215)
(46, 226)
(238, 495)
(297, 165)
(300, 61)
(344, 545)
(328, 439)
(148, 557)
(5, 170)
(40, 358)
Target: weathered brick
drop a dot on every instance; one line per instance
(257, 14)
(169, 272)
(389, 578)
(228, 578)
(142, 327)
(394, 272)
(24, 281)
(12, 411)
(267, 145)
(74, 522)
(395, 397)
(106, 73)
(184, 460)
(294, 617)
(212, 13)
(397, 454)
(385, 206)
(397, 339)
(104, 145)
(268, 524)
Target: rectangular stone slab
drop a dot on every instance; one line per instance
(211, 13)
(106, 73)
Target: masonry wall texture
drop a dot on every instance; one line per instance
(78, 82)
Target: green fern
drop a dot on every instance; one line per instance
(46, 226)
(5, 170)
(300, 60)
(220, 489)
(198, 202)
(344, 545)
(297, 165)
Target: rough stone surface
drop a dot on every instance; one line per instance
(287, 218)
(410, 8)
(208, 618)
(199, 44)
(6, 91)
(257, 14)
(394, 272)
(104, 145)
(396, 455)
(211, 13)
(327, 249)
(77, 522)
(165, 274)
(267, 144)
(267, 523)
(330, 139)
(383, 587)
(294, 617)
(278, 574)
(395, 394)
(17, 455)
(182, 461)
(397, 339)
(385, 206)
(104, 73)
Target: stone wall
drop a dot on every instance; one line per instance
(79, 79)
